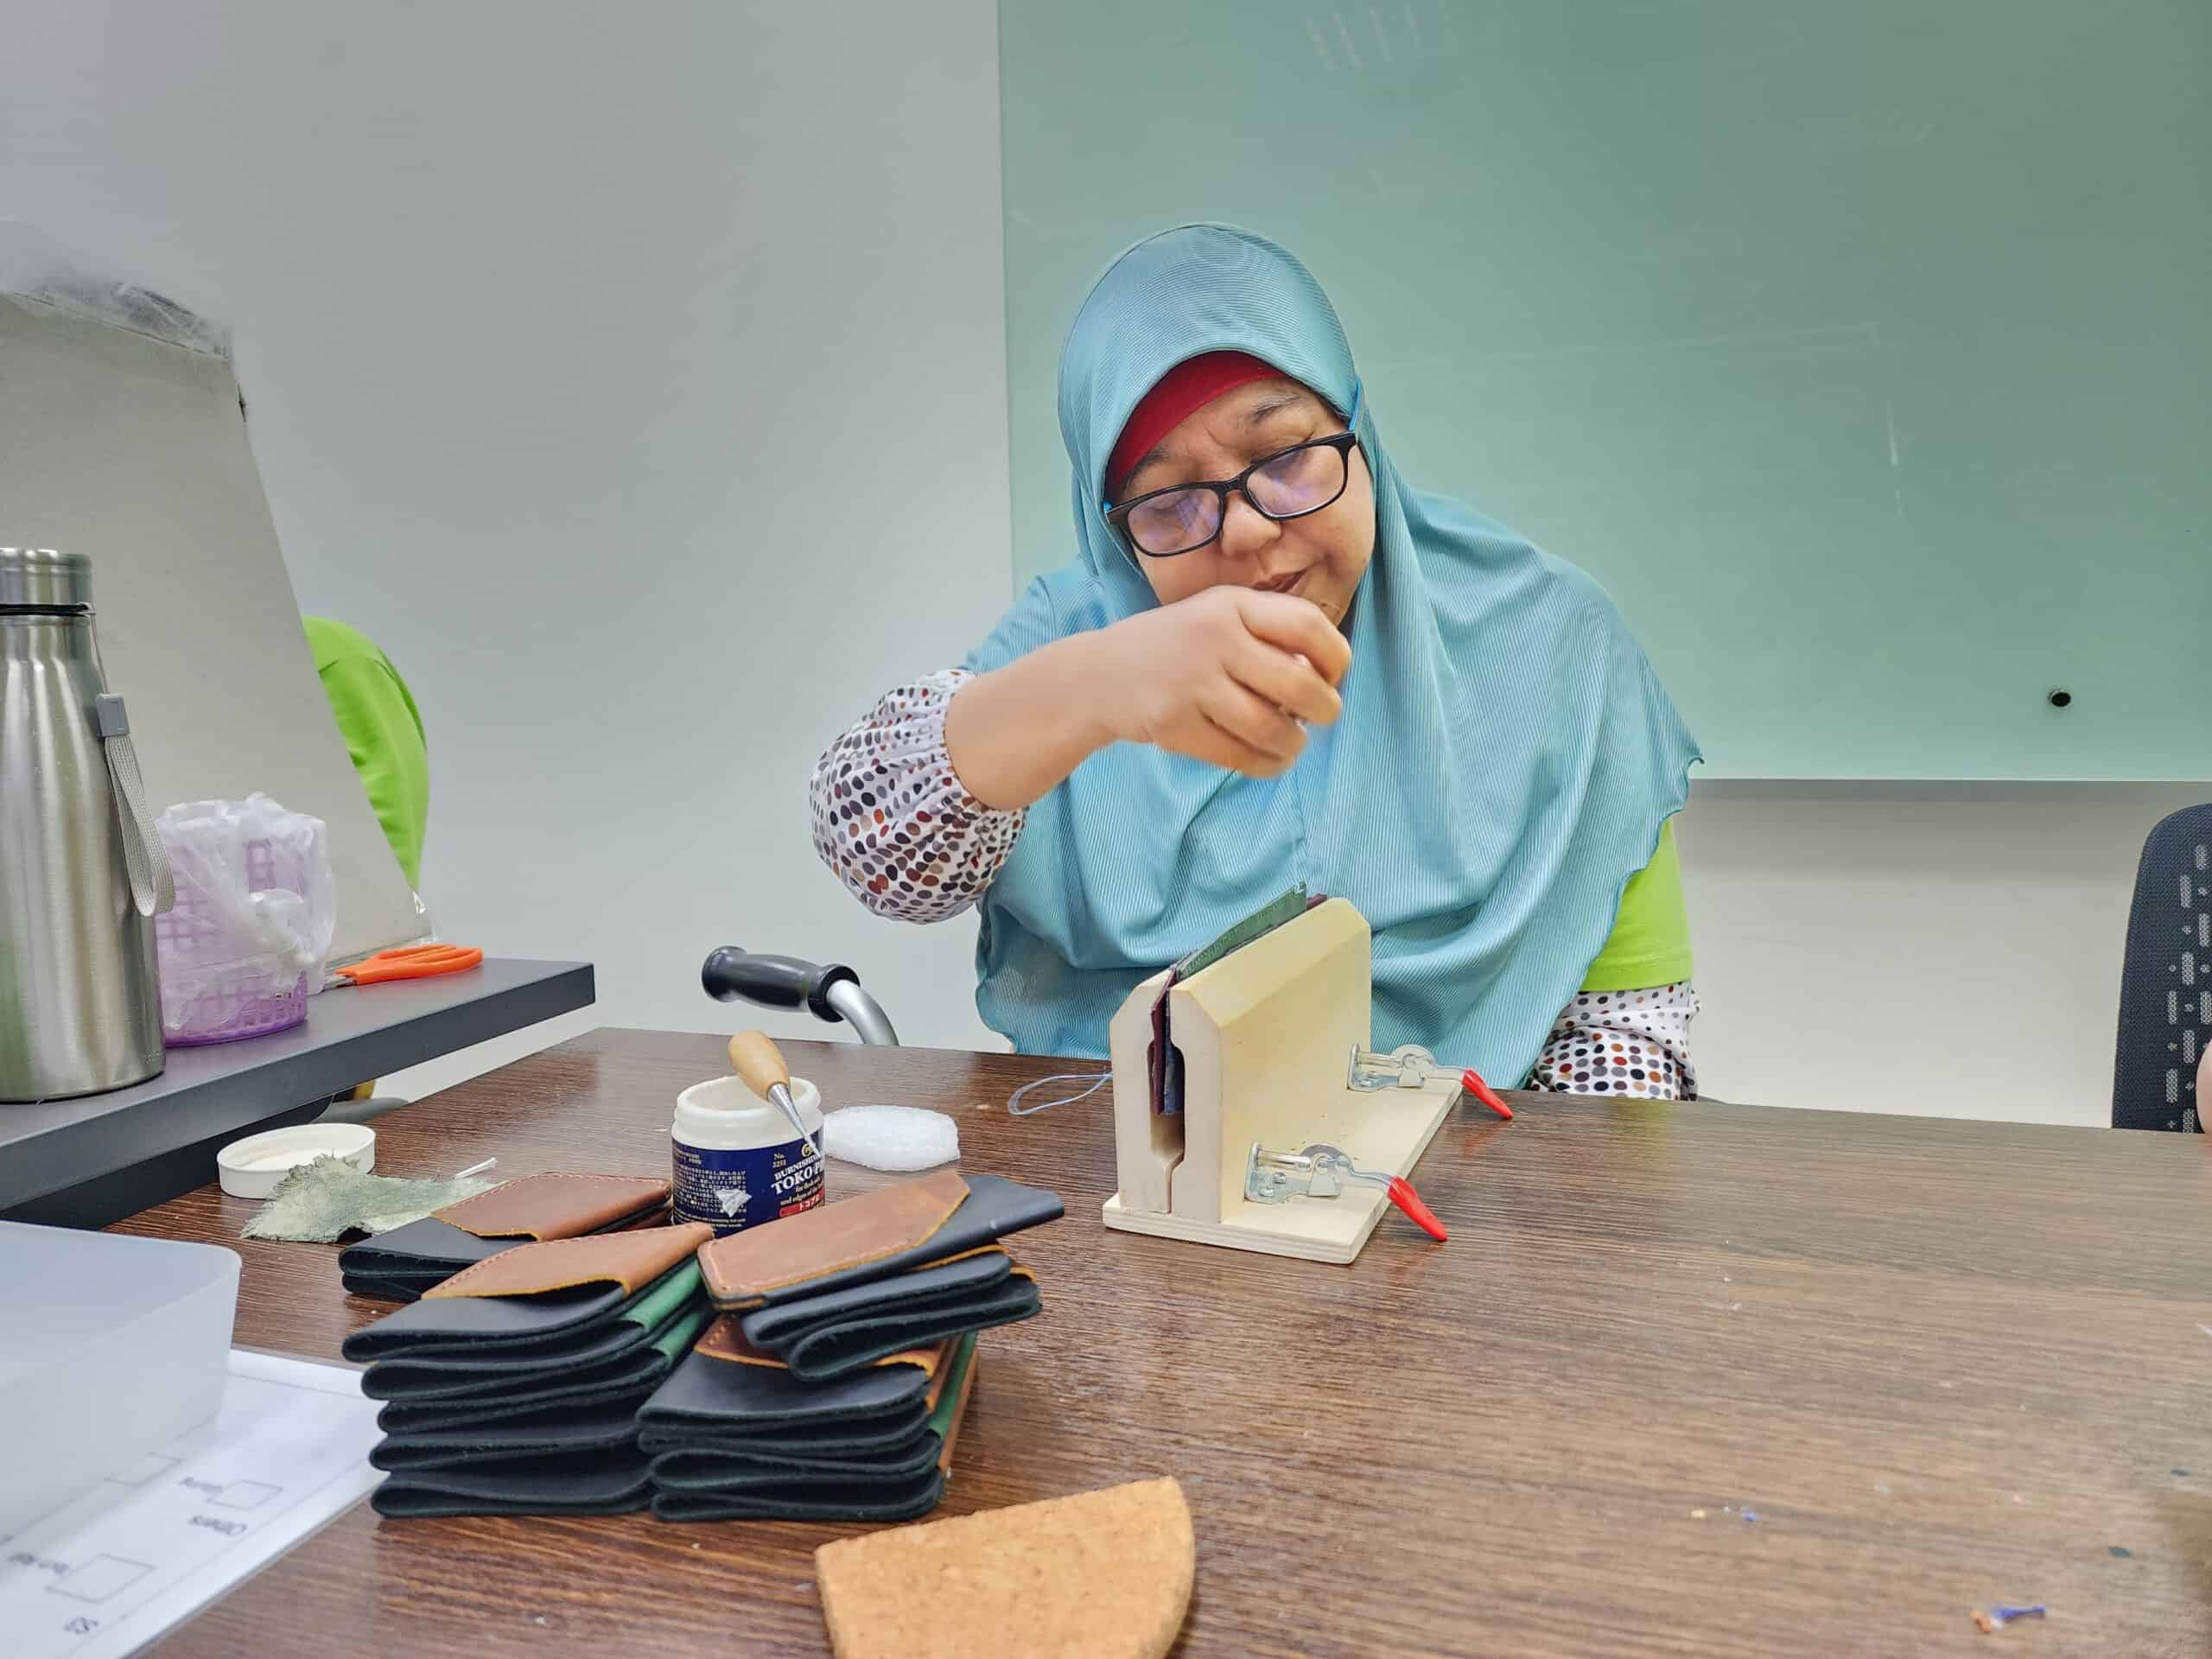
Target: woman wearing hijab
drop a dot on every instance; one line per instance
(1272, 660)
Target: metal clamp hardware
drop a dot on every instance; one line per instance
(1410, 1067)
(1322, 1170)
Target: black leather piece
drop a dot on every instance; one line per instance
(768, 1327)
(837, 1348)
(459, 1321)
(690, 1471)
(547, 1325)
(407, 1261)
(429, 1250)
(489, 1369)
(993, 1207)
(629, 1379)
(633, 1378)
(534, 1435)
(846, 1436)
(723, 1395)
(588, 1483)
(388, 1290)
(859, 1501)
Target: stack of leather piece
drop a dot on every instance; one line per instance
(402, 1264)
(514, 1386)
(832, 1387)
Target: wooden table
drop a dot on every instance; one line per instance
(1944, 1364)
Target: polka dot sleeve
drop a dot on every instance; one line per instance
(1632, 1043)
(892, 819)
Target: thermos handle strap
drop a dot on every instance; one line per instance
(153, 883)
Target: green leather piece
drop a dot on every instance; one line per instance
(1264, 920)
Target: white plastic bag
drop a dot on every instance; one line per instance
(256, 907)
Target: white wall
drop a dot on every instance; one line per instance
(1946, 948)
(636, 375)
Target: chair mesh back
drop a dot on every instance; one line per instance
(2165, 979)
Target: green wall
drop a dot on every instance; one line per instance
(1862, 349)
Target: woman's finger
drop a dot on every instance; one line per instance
(1283, 682)
(1198, 737)
(1253, 719)
(1297, 626)
(1235, 755)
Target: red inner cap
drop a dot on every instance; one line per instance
(1183, 390)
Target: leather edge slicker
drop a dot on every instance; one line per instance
(632, 1259)
(747, 1266)
(553, 1206)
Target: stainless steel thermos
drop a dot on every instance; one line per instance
(82, 873)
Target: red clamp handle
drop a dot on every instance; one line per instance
(1403, 1195)
(1471, 1081)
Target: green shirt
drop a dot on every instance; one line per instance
(384, 734)
(1650, 942)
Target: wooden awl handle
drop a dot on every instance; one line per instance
(755, 1057)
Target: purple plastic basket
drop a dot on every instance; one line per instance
(219, 1012)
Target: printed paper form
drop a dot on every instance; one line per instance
(288, 1453)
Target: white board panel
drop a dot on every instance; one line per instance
(133, 452)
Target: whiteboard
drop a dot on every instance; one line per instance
(133, 451)
(1862, 350)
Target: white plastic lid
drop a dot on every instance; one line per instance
(251, 1168)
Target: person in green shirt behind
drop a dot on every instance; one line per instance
(382, 730)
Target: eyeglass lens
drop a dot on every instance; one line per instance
(1298, 481)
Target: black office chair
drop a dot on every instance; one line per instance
(2165, 979)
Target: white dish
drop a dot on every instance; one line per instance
(251, 1168)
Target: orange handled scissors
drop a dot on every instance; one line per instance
(409, 962)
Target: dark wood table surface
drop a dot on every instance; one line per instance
(1944, 1364)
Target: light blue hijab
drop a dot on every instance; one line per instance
(1504, 763)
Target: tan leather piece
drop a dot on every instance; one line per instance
(745, 1266)
(725, 1340)
(632, 1258)
(553, 1206)
(959, 1411)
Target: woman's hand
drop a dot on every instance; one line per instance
(1224, 675)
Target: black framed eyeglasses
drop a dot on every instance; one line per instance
(1289, 484)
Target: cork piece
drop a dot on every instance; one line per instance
(631, 1260)
(1099, 1575)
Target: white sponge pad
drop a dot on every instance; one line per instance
(891, 1137)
